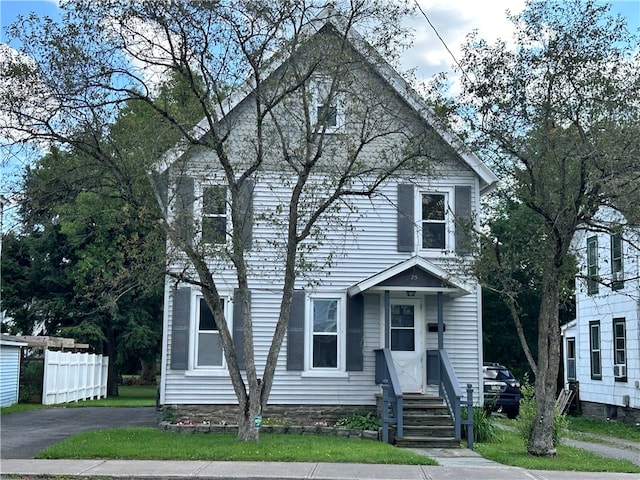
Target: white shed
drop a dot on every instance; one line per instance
(10, 348)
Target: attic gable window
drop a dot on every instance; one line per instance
(327, 114)
(214, 214)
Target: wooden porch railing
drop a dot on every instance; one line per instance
(391, 393)
(440, 372)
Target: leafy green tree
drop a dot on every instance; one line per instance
(106, 54)
(558, 117)
(510, 270)
(92, 254)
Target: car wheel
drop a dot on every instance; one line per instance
(512, 413)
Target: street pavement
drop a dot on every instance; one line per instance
(168, 469)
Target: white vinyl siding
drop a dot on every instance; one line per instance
(9, 372)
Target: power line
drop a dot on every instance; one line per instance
(441, 40)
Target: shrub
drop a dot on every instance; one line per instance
(272, 421)
(527, 415)
(31, 375)
(484, 426)
(360, 421)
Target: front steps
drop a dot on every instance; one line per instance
(427, 423)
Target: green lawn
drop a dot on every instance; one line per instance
(596, 427)
(150, 443)
(129, 396)
(509, 449)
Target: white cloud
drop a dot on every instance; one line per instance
(454, 20)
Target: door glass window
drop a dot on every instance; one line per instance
(403, 328)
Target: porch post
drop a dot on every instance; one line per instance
(387, 320)
(440, 321)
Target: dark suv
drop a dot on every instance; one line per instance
(501, 390)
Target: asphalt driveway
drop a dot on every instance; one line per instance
(25, 434)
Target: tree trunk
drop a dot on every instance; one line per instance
(541, 442)
(247, 429)
(112, 373)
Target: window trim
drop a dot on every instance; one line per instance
(309, 369)
(449, 230)
(592, 265)
(620, 321)
(196, 296)
(595, 375)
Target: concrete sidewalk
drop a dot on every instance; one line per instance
(169, 469)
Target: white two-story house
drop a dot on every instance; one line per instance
(385, 272)
(602, 345)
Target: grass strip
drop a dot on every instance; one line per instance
(129, 396)
(153, 444)
(599, 427)
(509, 449)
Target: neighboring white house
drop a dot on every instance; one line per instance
(390, 271)
(10, 356)
(602, 345)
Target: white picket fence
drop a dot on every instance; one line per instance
(69, 377)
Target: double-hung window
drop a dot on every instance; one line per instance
(594, 343)
(214, 214)
(619, 349)
(325, 329)
(434, 221)
(617, 269)
(592, 265)
(208, 348)
(571, 359)
(327, 109)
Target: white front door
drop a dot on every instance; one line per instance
(408, 344)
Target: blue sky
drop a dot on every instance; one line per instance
(453, 19)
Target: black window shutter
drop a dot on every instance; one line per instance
(184, 208)
(180, 328)
(295, 333)
(238, 333)
(246, 212)
(355, 333)
(463, 219)
(406, 218)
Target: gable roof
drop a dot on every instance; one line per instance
(329, 17)
(415, 274)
